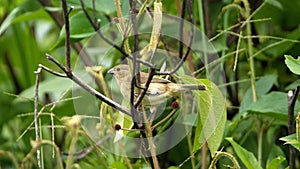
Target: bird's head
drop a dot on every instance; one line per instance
(121, 72)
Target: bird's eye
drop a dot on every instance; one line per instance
(118, 69)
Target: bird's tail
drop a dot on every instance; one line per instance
(193, 86)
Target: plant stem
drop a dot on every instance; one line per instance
(36, 123)
(224, 154)
(72, 149)
(259, 141)
(202, 26)
(149, 138)
(250, 51)
(252, 78)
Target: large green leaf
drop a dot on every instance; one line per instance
(80, 28)
(275, 163)
(246, 157)
(263, 85)
(274, 104)
(105, 6)
(55, 85)
(211, 115)
(25, 8)
(293, 64)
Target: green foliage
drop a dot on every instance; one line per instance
(292, 140)
(211, 115)
(246, 157)
(293, 64)
(257, 43)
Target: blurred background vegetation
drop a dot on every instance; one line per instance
(30, 28)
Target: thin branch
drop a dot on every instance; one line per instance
(292, 97)
(52, 71)
(36, 123)
(144, 91)
(135, 72)
(52, 59)
(58, 19)
(181, 29)
(152, 69)
(100, 33)
(88, 88)
(191, 19)
(67, 30)
(94, 13)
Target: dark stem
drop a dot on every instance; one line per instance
(292, 97)
(12, 73)
(142, 94)
(206, 18)
(94, 13)
(181, 29)
(135, 72)
(67, 40)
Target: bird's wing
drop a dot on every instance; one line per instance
(144, 77)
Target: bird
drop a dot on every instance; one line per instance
(158, 91)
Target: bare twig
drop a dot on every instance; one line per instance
(181, 28)
(143, 93)
(67, 29)
(135, 72)
(88, 88)
(100, 33)
(152, 69)
(183, 58)
(52, 71)
(59, 20)
(36, 123)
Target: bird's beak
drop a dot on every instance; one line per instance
(111, 71)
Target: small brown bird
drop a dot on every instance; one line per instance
(159, 89)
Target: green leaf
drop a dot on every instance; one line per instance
(292, 140)
(263, 85)
(288, 138)
(56, 85)
(293, 64)
(173, 167)
(246, 157)
(80, 28)
(189, 119)
(275, 163)
(293, 85)
(273, 104)
(26, 7)
(275, 3)
(105, 6)
(118, 164)
(211, 114)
